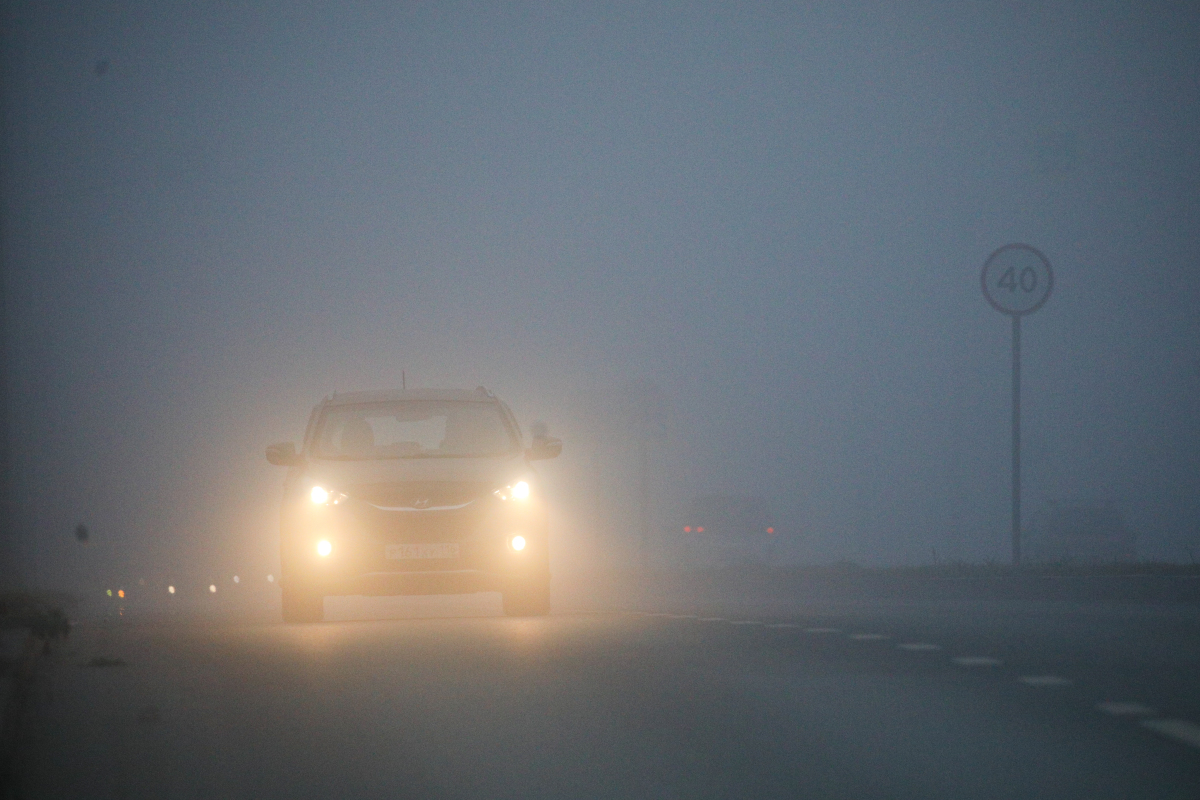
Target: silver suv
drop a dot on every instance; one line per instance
(413, 492)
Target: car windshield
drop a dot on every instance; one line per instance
(414, 429)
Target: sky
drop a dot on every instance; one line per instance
(769, 217)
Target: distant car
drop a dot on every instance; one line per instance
(726, 530)
(413, 492)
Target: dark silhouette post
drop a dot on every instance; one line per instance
(645, 410)
(1016, 439)
(1017, 280)
(643, 520)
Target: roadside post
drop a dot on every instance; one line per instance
(1017, 280)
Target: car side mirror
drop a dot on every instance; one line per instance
(283, 454)
(544, 447)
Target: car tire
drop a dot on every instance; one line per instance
(530, 598)
(300, 605)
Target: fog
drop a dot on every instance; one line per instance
(767, 218)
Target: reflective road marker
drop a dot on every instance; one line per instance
(1178, 729)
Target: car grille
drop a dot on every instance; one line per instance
(431, 494)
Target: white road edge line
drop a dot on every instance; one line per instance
(782, 625)
(1178, 729)
(869, 637)
(1124, 709)
(744, 622)
(918, 647)
(711, 619)
(821, 630)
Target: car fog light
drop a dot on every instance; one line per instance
(324, 548)
(518, 543)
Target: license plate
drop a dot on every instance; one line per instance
(402, 551)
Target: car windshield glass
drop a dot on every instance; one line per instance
(414, 429)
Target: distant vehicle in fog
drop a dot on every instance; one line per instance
(413, 492)
(728, 530)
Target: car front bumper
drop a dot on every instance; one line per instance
(363, 557)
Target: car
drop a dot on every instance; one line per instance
(721, 530)
(415, 491)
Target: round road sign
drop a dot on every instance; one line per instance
(1017, 279)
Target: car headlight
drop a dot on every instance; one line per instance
(324, 548)
(517, 543)
(515, 491)
(321, 496)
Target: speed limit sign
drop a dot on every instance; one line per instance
(1017, 279)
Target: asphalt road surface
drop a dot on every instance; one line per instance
(445, 697)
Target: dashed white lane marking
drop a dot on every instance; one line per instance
(1044, 681)
(821, 630)
(745, 622)
(919, 647)
(783, 625)
(711, 619)
(1122, 709)
(680, 616)
(869, 637)
(977, 661)
(1178, 729)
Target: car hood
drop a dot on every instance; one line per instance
(366, 478)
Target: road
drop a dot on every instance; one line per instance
(445, 698)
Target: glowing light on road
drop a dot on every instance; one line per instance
(236, 579)
(108, 592)
(324, 548)
(770, 530)
(521, 490)
(319, 495)
(687, 528)
(518, 543)
(700, 529)
(120, 592)
(212, 588)
(171, 589)
(270, 579)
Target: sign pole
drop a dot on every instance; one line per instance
(1016, 280)
(1016, 440)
